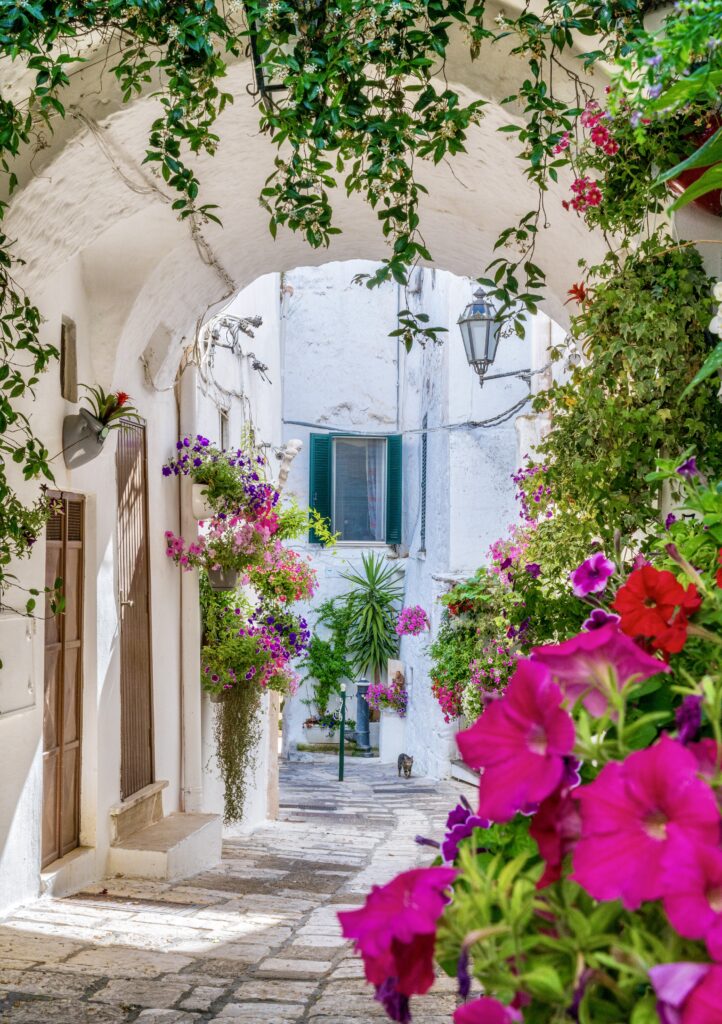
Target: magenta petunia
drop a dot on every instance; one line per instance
(592, 575)
(692, 879)
(589, 664)
(486, 1011)
(626, 814)
(520, 742)
(556, 828)
(395, 932)
(688, 993)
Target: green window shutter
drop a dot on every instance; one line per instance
(319, 490)
(393, 489)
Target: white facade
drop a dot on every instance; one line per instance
(145, 367)
(342, 373)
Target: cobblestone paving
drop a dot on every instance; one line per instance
(256, 940)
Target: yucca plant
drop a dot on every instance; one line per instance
(374, 601)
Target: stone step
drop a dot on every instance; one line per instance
(175, 847)
(463, 773)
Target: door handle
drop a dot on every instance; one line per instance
(127, 604)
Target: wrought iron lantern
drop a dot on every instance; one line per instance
(480, 333)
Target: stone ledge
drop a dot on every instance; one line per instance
(140, 810)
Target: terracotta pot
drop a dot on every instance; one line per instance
(712, 201)
(83, 438)
(201, 508)
(223, 579)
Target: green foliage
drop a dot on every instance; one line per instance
(643, 333)
(326, 661)
(237, 733)
(373, 602)
(110, 408)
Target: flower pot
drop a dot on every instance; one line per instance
(392, 736)
(319, 734)
(201, 508)
(712, 201)
(223, 579)
(83, 438)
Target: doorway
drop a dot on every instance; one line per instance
(63, 688)
(136, 678)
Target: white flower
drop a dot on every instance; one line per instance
(717, 291)
(715, 325)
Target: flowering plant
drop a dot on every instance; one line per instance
(391, 696)
(233, 479)
(283, 575)
(607, 748)
(227, 543)
(109, 408)
(412, 621)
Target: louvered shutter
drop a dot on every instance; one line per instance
(319, 490)
(394, 488)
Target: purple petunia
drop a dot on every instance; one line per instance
(598, 618)
(592, 575)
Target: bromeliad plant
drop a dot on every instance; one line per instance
(606, 749)
(109, 408)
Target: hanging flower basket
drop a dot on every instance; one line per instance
(83, 438)
(223, 579)
(201, 508)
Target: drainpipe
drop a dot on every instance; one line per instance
(191, 724)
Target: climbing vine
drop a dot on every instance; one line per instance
(365, 99)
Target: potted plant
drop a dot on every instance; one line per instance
(373, 602)
(224, 481)
(390, 699)
(85, 433)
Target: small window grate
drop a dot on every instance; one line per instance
(54, 528)
(75, 521)
(424, 450)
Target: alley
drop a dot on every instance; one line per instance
(255, 940)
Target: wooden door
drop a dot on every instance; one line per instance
(62, 709)
(136, 682)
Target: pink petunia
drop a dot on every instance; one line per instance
(626, 815)
(590, 664)
(688, 993)
(693, 890)
(486, 1011)
(521, 741)
(395, 932)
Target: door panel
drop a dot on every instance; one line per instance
(62, 705)
(136, 683)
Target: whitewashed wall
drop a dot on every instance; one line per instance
(343, 372)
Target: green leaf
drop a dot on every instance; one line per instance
(709, 182)
(712, 363)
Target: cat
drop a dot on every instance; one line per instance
(407, 763)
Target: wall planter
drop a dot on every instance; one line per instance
(317, 734)
(392, 736)
(201, 508)
(83, 438)
(223, 579)
(711, 201)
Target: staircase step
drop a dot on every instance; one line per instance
(463, 773)
(175, 847)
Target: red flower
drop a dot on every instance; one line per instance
(556, 827)
(719, 571)
(653, 604)
(121, 398)
(577, 292)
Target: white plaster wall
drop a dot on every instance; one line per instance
(341, 371)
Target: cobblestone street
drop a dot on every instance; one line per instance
(255, 940)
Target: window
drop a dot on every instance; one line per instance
(359, 488)
(224, 432)
(68, 361)
(356, 486)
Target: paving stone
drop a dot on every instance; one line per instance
(255, 941)
(62, 1011)
(285, 968)
(135, 992)
(262, 1013)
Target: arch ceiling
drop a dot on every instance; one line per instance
(91, 197)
